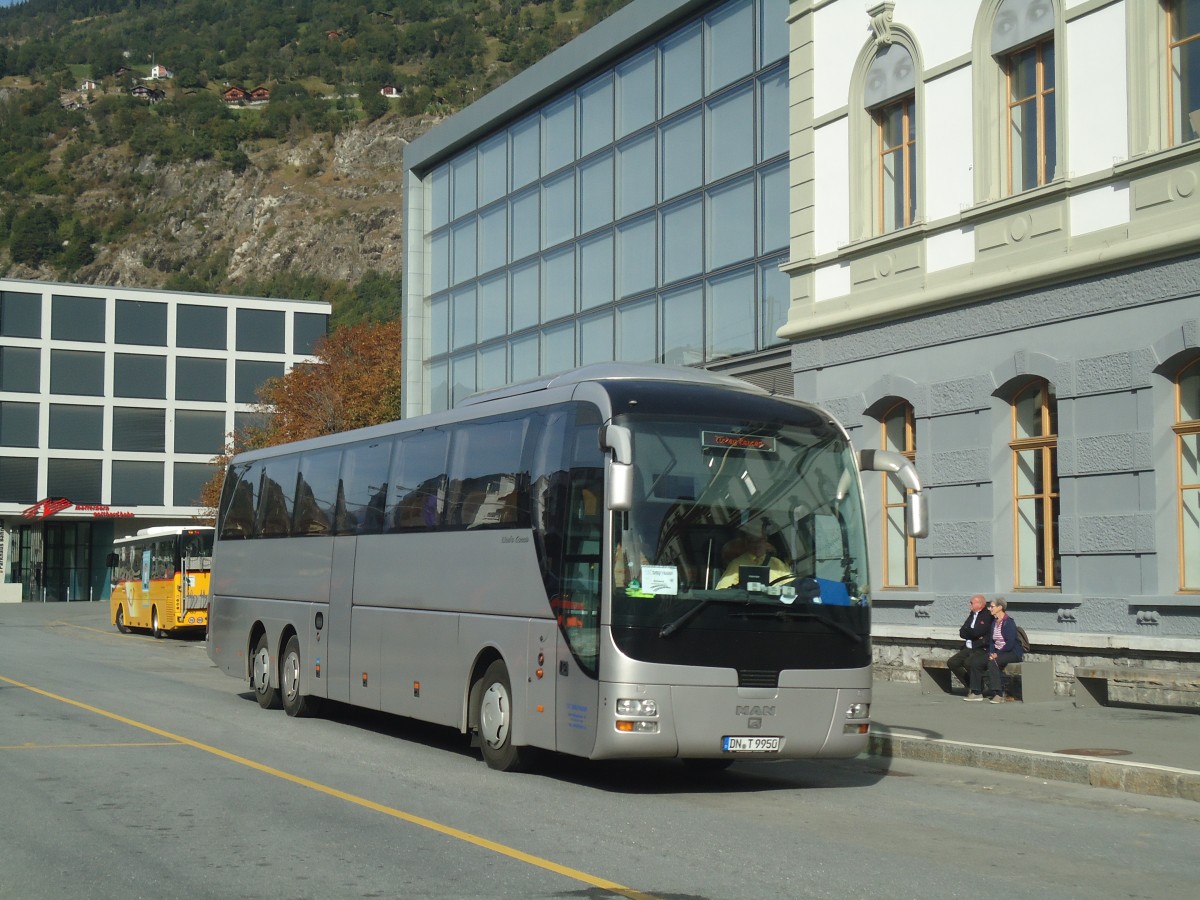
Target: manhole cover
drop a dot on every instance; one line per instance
(1094, 751)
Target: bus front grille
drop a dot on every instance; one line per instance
(766, 678)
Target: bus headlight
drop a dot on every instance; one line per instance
(645, 708)
(858, 711)
(640, 726)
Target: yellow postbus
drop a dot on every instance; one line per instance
(160, 580)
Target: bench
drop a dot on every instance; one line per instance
(1036, 678)
(1099, 685)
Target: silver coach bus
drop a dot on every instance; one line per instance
(619, 561)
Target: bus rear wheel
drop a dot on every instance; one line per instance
(155, 628)
(494, 716)
(294, 702)
(260, 678)
(120, 623)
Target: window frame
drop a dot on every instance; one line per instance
(909, 451)
(905, 151)
(1184, 429)
(1039, 98)
(1045, 495)
(1174, 140)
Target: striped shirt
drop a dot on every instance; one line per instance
(998, 643)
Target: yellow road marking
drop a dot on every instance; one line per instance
(448, 831)
(31, 746)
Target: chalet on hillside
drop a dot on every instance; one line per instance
(160, 71)
(149, 94)
(260, 94)
(88, 85)
(235, 94)
(389, 91)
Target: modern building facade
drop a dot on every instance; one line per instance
(113, 404)
(991, 264)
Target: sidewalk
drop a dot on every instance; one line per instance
(1142, 751)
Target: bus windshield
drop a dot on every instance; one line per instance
(759, 515)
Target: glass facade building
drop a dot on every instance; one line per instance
(640, 214)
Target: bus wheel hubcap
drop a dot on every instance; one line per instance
(261, 681)
(493, 715)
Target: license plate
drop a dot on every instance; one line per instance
(741, 744)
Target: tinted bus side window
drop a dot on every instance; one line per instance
(364, 486)
(317, 493)
(277, 484)
(237, 504)
(489, 481)
(418, 491)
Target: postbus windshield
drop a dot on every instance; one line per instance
(753, 517)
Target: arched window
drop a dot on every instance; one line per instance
(890, 96)
(1034, 447)
(899, 550)
(1187, 443)
(1023, 45)
(1183, 60)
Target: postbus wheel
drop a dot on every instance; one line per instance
(121, 626)
(267, 696)
(155, 628)
(294, 702)
(494, 716)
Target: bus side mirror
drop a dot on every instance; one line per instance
(111, 560)
(916, 520)
(619, 440)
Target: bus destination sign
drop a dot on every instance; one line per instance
(726, 441)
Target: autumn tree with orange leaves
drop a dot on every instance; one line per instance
(354, 382)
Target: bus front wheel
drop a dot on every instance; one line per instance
(155, 628)
(121, 626)
(495, 719)
(267, 696)
(294, 702)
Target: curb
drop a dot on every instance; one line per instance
(1131, 777)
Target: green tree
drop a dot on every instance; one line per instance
(34, 239)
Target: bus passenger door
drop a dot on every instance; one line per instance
(337, 629)
(576, 695)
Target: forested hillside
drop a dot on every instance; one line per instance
(184, 187)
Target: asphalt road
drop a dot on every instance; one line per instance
(129, 767)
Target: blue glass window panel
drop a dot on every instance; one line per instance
(141, 323)
(463, 180)
(200, 379)
(558, 209)
(772, 31)
(558, 134)
(439, 196)
(637, 256)
(137, 483)
(683, 326)
(135, 375)
(635, 175)
(635, 93)
(199, 431)
(523, 358)
(439, 325)
(526, 152)
(462, 378)
(493, 238)
(202, 327)
(730, 133)
(189, 481)
(730, 316)
(307, 330)
(596, 193)
(492, 368)
(73, 372)
(20, 314)
(260, 330)
(463, 246)
(730, 48)
(730, 226)
(596, 338)
(773, 301)
(493, 169)
(596, 114)
(77, 318)
(773, 208)
(637, 331)
(558, 284)
(76, 427)
(773, 115)
(525, 233)
(682, 67)
(21, 369)
(77, 479)
(439, 261)
(558, 348)
(682, 240)
(682, 155)
(249, 375)
(463, 310)
(525, 295)
(493, 306)
(19, 424)
(439, 386)
(596, 271)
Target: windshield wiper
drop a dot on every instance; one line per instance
(671, 627)
(800, 614)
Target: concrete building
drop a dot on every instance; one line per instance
(985, 256)
(113, 403)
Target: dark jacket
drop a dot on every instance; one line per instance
(1012, 642)
(981, 633)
